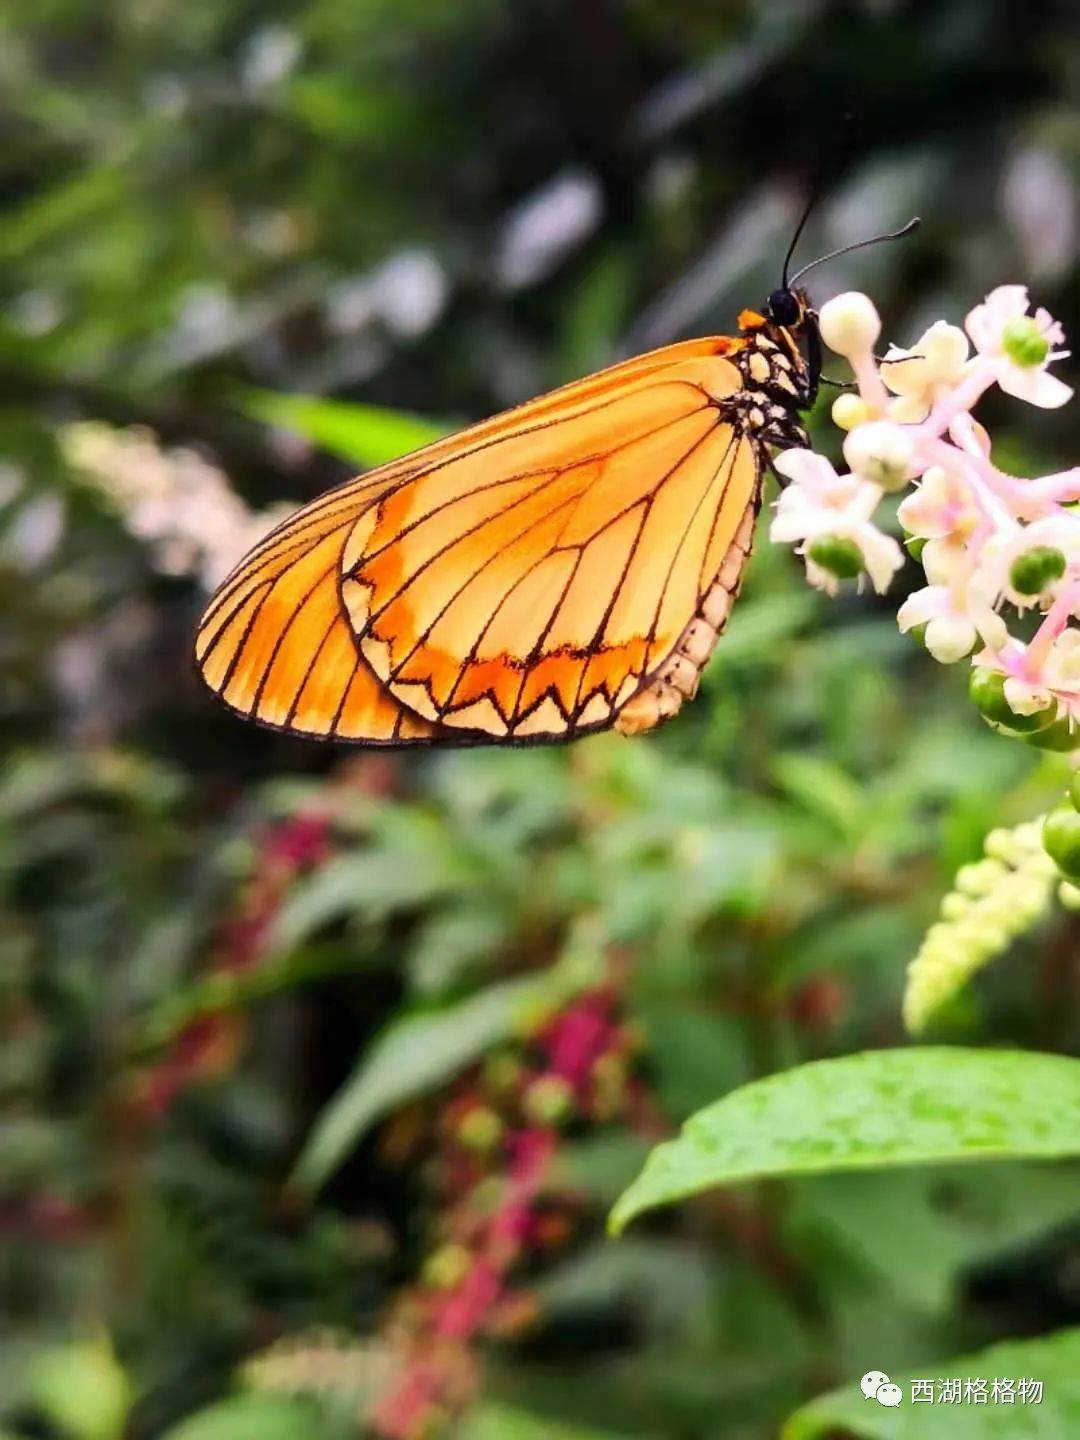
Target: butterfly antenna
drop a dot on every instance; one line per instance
(907, 229)
(815, 196)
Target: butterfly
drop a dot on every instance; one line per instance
(562, 568)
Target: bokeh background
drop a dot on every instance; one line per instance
(321, 1068)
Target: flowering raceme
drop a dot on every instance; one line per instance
(986, 540)
(988, 543)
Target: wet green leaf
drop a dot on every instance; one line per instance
(881, 1108)
(1053, 1359)
(421, 1051)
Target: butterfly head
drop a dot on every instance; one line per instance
(783, 349)
(786, 311)
(787, 308)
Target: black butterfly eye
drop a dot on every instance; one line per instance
(782, 307)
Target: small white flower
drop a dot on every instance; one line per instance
(919, 376)
(943, 505)
(1020, 346)
(820, 504)
(809, 471)
(949, 638)
(1058, 532)
(1062, 668)
(944, 559)
(850, 324)
(881, 452)
(986, 538)
(955, 616)
(1033, 686)
(1024, 698)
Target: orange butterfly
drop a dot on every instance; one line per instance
(562, 568)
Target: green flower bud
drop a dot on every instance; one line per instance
(1060, 736)
(987, 690)
(979, 878)
(549, 1100)
(839, 556)
(1002, 844)
(480, 1129)
(1024, 343)
(955, 906)
(1037, 568)
(447, 1267)
(1061, 838)
(502, 1071)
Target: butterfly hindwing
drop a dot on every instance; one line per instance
(276, 644)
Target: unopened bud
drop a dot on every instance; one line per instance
(950, 638)
(549, 1100)
(987, 690)
(1024, 343)
(838, 555)
(1037, 568)
(850, 323)
(881, 451)
(1061, 839)
(480, 1129)
(447, 1267)
(1060, 736)
(849, 410)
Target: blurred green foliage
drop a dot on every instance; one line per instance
(435, 210)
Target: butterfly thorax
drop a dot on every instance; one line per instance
(777, 381)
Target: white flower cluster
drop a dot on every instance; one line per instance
(984, 538)
(174, 501)
(992, 902)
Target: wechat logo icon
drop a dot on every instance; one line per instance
(876, 1385)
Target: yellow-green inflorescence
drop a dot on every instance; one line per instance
(992, 902)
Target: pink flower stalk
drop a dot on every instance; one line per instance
(499, 1206)
(992, 545)
(208, 1045)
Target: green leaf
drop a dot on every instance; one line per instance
(373, 884)
(499, 1422)
(361, 434)
(82, 1389)
(1053, 1359)
(253, 1417)
(823, 789)
(422, 1051)
(451, 944)
(885, 1107)
(940, 1221)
